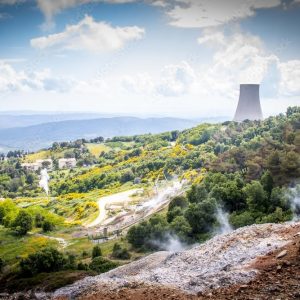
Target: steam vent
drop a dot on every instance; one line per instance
(249, 103)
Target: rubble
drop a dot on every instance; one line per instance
(282, 254)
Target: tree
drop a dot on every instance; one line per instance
(197, 193)
(230, 194)
(69, 154)
(22, 223)
(178, 201)
(45, 260)
(290, 165)
(173, 213)
(181, 227)
(201, 216)
(241, 219)
(137, 235)
(267, 182)
(278, 198)
(126, 176)
(96, 251)
(256, 197)
(30, 178)
(292, 110)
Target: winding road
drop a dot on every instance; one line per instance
(115, 198)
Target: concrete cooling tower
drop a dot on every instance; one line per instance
(249, 103)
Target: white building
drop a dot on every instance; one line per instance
(45, 163)
(66, 163)
(38, 164)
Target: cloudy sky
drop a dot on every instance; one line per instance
(182, 58)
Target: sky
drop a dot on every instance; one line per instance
(181, 58)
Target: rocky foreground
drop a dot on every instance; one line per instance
(229, 261)
(254, 262)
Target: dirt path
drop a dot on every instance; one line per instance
(115, 198)
(62, 242)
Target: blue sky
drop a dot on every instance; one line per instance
(181, 58)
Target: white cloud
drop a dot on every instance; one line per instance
(290, 77)
(173, 81)
(138, 84)
(240, 57)
(176, 80)
(51, 7)
(89, 35)
(160, 3)
(12, 80)
(202, 13)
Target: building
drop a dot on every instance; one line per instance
(30, 166)
(249, 103)
(38, 164)
(66, 163)
(45, 163)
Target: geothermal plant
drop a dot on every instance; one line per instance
(249, 103)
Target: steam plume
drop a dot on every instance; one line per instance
(222, 218)
(44, 181)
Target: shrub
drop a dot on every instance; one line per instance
(71, 262)
(119, 252)
(96, 251)
(241, 219)
(22, 223)
(39, 220)
(82, 267)
(45, 260)
(84, 253)
(48, 226)
(101, 265)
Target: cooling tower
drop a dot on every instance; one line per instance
(249, 103)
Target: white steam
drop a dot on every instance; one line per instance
(222, 218)
(170, 243)
(295, 202)
(162, 197)
(44, 181)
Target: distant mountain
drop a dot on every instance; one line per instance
(39, 136)
(18, 119)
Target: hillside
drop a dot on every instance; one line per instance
(43, 135)
(129, 196)
(234, 259)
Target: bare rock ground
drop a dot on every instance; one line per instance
(224, 267)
